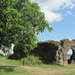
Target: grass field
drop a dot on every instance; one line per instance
(13, 67)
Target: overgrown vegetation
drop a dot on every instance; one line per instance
(1, 55)
(56, 63)
(31, 60)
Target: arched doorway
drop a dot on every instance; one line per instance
(72, 57)
(69, 54)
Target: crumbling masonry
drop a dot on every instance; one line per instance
(50, 51)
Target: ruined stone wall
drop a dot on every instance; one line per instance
(66, 45)
(47, 51)
(50, 51)
(18, 53)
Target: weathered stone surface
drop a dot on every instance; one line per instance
(49, 51)
(55, 51)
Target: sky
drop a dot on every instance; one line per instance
(60, 15)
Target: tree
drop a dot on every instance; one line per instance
(20, 20)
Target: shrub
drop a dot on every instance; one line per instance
(56, 63)
(1, 55)
(31, 60)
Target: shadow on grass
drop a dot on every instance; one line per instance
(7, 68)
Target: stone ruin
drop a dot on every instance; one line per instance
(18, 53)
(50, 51)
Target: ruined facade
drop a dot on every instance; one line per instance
(50, 51)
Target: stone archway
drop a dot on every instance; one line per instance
(69, 54)
(66, 45)
(72, 58)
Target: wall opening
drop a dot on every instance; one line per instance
(69, 54)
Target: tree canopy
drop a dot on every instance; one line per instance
(20, 21)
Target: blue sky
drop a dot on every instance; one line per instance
(60, 15)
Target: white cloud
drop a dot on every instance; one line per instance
(54, 4)
(65, 14)
(51, 16)
(69, 12)
(67, 3)
(49, 6)
(71, 7)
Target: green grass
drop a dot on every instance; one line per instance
(15, 67)
(12, 67)
(31, 60)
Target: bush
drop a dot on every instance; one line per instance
(5, 56)
(56, 63)
(31, 60)
(1, 55)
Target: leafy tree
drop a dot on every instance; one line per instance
(20, 21)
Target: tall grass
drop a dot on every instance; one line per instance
(31, 60)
